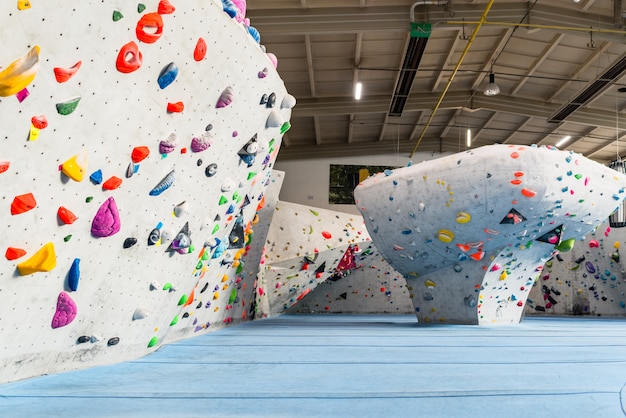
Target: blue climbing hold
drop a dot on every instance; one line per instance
(229, 8)
(96, 177)
(74, 275)
(254, 33)
(164, 184)
(168, 75)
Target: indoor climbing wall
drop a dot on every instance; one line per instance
(471, 232)
(588, 280)
(138, 140)
(306, 246)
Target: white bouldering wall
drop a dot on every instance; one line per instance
(471, 232)
(138, 140)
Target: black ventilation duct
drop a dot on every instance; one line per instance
(412, 57)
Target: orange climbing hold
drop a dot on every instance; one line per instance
(66, 215)
(154, 22)
(514, 154)
(4, 166)
(529, 193)
(129, 58)
(190, 298)
(39, 122)
(139, 154)
(64, 74)
(13, 253)
(165, 8)
(516, 182)
(112, 183)
(200, 51)
(175, 107)
(477, 256)
(23, 203)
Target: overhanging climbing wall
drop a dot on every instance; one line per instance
(472, 231)
(137, 142)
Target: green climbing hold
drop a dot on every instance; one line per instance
(205, 256)
(223, 200)
(239, 269)
(67, 107)
(310, 230)
(167, 286)
(190, 249)
(251, 175)
(286, 126)
(117, 15)
(199, 265)
(174, 321)
(316, 213)
(566, 245)
(233, 296)
(141, 7)
(236, 195)
(578, 176)
(67, 238)
(182, 300)
(153, 341)
(89, 199)
(215, 228)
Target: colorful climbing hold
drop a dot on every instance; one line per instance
(153, 341)
(44, 259)
(20, 73)
(117, 15)
(4, 166)
(165, 8)
(154, 22)
(66, 216)
(13, 253)
(112, 183)
(445, 235)
(23, 4)
(107, 220)
(200, 50)
(129, 58)
(39, 121)
(168, 75)
(201, 143)
(23, 203)
(164, 184)
(74, 275)
(65, 311)
(169, 144)
(75, 167)
(226, 97)
(177, 107)
(67, 107)
(64, 74)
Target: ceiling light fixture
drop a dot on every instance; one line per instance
(468, 138)
(358, 89)
(492, 89)
(563, 141)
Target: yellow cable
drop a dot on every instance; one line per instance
(483, 18)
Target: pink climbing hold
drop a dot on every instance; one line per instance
(273, 59)
(608, 229)
(65, 312)
(226, 97)
(594, 244)
(107, 220)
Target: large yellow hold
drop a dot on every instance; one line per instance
(43, 260)
(20, 73)
(76, 167)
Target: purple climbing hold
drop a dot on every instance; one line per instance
(107, 220)
(226, 97)
(168, 145)
(590, 268)
(202, 142)
(65, 312)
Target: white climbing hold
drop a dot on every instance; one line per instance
(181, 209)
(140, 313)
(274, 120)
(288, 102)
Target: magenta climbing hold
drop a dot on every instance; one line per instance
(226, 97)
(107, 220)
(129, 58)
(201, 143)
(169, 144)
(594, 244)
(65, 312)
(273, 59)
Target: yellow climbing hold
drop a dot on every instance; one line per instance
(616, 245)
(43, 260)
(20, 73)
(75, 167)
(216, 295)
(224, 278)
(445, 236)
(430, 283)
(463, 217)
(503, 275)
(23, 4)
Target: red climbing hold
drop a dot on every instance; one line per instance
(14, 253)
(66, 215)
(200, 51)
(129, 58)
(175, 107)
(4, 166)
(139, 154)
(327, 234)
(23, 203)
(39, 122)
(112, 183)
(152, 21)
(64, 74)
(165, 8)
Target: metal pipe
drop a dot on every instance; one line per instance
(483, 18)
(532, 26)
(424, 3)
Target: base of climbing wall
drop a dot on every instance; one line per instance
(351, 365)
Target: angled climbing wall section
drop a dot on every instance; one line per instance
(471, 232)
(138, 140)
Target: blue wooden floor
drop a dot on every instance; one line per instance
(353, 366)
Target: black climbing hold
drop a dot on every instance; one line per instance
(154, 237)
(83, 339)
(513, 217)
(551, 299)
(210, 170)
(558, 257)
(204, 288)
(113, 341)
(199, 162)
(129, 242)
(263, 99)
(344, 295)
(580, 259)
(556, 292)
(208, 127)
(199, 305)
(186, 315)
(540, 308)
(271, 100)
